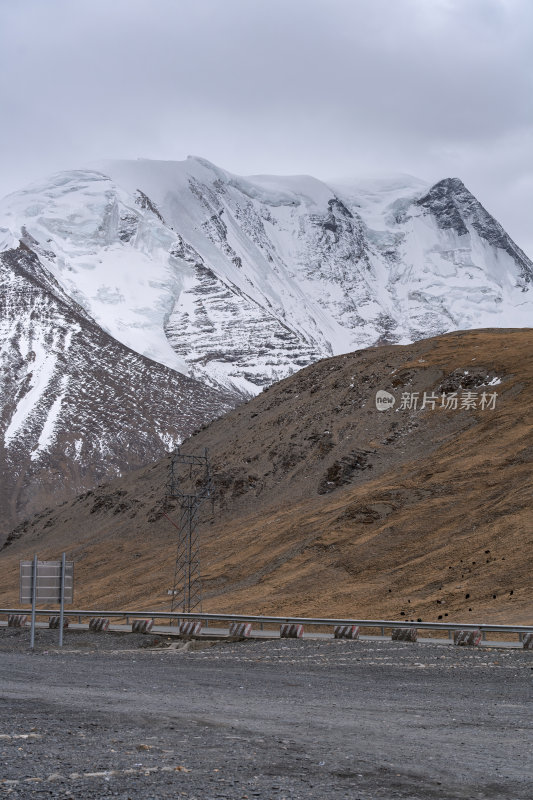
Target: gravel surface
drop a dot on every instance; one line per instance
(143, 717)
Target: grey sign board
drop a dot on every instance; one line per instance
(48, 584)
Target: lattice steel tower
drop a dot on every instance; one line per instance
(189, 483)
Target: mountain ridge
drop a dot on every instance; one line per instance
(325, 505)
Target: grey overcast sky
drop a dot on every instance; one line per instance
(333, 88)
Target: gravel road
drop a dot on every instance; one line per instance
(300, 720)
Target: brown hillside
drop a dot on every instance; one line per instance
(326, 506)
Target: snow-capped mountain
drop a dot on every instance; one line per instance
(142, 298)
(239, 281)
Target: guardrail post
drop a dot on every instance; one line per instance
(239, 630)
(190, 628)
(467, 637)
(346, 632)
(289, 630)
(98, 624)
(142, 625)
(382, 631)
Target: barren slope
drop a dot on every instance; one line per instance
(327, 506)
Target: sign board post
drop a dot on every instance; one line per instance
(33, 598)
(62, 599)
(47, 582)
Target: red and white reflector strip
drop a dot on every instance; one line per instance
(55, 622)
(142, 625)
(527, 641)
(291, 631)
(190, 627)
(240, 630)
(404, 635)
(17, 620)
(346, 632)
(97, 624)
(466, 638)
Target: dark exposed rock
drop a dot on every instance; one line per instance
(144, 202)
(342, 472)
(453, 206)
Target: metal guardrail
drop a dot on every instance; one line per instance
(174, 616)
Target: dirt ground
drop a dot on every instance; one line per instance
(303, 720)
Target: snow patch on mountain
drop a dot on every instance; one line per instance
(46, 436)
(40, 364)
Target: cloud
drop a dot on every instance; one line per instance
(329, 87)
